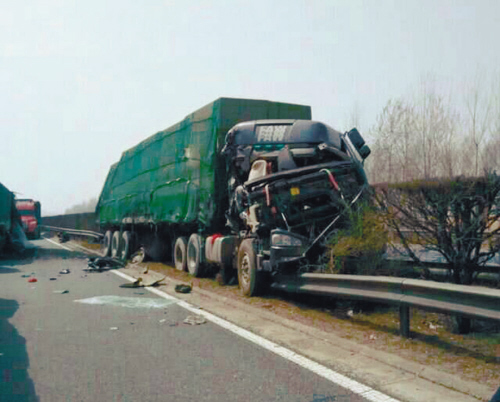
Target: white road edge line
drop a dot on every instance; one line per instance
(57, 244)
(337, 378)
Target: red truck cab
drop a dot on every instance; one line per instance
(29, 210)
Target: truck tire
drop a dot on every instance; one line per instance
(250, 280)
(194, 257)
(127, 245)
(180, 249)
(107, 243)
(115, 245)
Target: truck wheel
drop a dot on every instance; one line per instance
(180, 254)
(249, 278)
(115, 245)
(107, 243)
(127, 245)
(194, 263)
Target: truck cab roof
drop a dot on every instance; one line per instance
(263, 132)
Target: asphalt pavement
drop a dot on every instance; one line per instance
(79, 336)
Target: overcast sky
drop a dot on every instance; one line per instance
(81, 81)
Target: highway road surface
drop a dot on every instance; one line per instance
(79, 336)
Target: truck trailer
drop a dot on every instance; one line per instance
(246, 187)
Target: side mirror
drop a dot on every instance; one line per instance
(359, 143)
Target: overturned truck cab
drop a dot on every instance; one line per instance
(289, 185)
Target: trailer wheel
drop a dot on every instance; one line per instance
(180, 254)
(115, 245)
(127, 245)
(107, 243)
(194, 263)
(250, 280)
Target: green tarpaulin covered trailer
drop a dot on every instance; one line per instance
(176, 176)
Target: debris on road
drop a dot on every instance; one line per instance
(63, 237)
(65, 271)
(194, 320)
(61, 292)
(32, 280)
(181, 288)
(99, 264)
(25, 276)
(113, 328)
(135, 284)
(52, 279)
(138, 256)
(157, 283)
(146, 270)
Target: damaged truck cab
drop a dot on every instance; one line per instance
(289, 182)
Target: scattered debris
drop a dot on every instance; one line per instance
(138, 256)
(372, 337)
(182, 288)
(61, 292)
(194, 320)
(63, 237)
(99, 264)
(25, 276)
(146, 270)
(52, 279)
(32, 280)
(163, 320)
(65, 271)
(138, 293)
(113, 328)
(135, 284)
(157, 283)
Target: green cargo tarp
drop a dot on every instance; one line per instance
(177, 176)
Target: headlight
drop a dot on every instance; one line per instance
(281, 239)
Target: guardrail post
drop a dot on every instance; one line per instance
(404, 320)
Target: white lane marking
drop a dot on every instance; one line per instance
(57, 244)
(329, 374)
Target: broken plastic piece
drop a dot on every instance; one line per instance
(65, 271)
(61, 292)
(32, 280)
(194, 320)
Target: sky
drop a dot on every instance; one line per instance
(82, 81)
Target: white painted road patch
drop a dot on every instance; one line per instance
(128, 302)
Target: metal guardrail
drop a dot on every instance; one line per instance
(467, 301)
(75, 232)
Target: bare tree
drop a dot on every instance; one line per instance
(478, 105)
